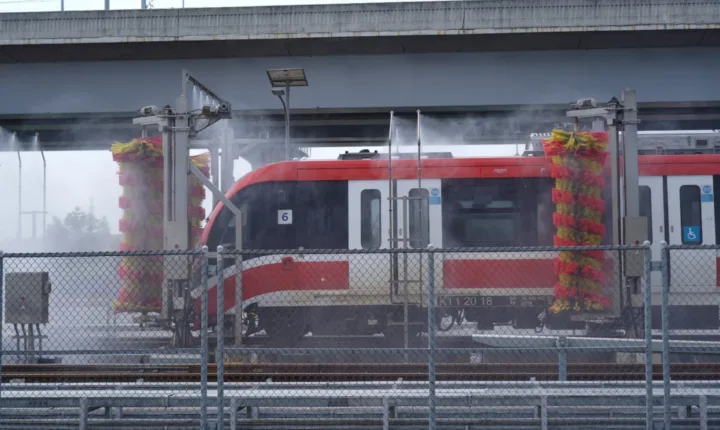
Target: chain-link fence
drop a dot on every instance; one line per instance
(432, 338)
(687, 294)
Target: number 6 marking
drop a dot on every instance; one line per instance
(285, 216)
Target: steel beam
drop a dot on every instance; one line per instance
(227, 160)
(215, 170)
(630, 154)
(178, 127)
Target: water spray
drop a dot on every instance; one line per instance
(13, 139)
(44, 186)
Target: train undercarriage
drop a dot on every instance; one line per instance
(284, 326)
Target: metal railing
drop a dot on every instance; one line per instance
(92, 338)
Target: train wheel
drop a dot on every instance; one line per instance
(284, 325)
(445, 321)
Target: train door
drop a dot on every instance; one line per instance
(691, 221)
(652, 206)
(419, 224)
(368, 228)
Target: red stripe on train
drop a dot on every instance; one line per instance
(521, 273)
(290, 275)
(506, 273)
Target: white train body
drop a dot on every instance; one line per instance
(355, 286)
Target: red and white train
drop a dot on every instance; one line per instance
(467, 203)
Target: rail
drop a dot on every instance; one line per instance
(334, 372)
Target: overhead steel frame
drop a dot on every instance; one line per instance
(179, 126)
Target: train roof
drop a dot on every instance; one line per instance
(461, 167)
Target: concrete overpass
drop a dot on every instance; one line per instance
(76, 77)
(384, 28)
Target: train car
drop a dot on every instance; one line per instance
(464, 203)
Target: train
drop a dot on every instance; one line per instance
(453, 203)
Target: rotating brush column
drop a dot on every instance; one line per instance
(577, 165)
(141, 176)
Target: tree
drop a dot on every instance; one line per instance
(80, 231)
(81, 279)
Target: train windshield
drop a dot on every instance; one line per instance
(286, 215)
(260, 226)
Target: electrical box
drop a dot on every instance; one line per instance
(636, 233)
(26, 297)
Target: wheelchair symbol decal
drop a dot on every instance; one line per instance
(691, 234)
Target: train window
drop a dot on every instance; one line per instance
(541, 202)
(320, 215)
(646, 209)
(690, 214)
(370, 219)
(497, 212)
(223, 229)
(418, 217)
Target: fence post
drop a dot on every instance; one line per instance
(431, 337)
(647, 284)
(561, 344)
(665, 267)
(2, 306)
(220, 335)
(204, 340)
(83, 413)
(238, 331)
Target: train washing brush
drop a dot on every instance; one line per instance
(577, 165)
(141, 176)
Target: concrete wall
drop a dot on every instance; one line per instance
(467, 79)
(354, 20)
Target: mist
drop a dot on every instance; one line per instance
(465, 136)
(88, 179)
(74, 179)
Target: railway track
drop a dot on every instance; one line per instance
(261, 341)
(332, 372)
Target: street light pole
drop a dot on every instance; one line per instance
(286, 78)
(44, 196)
(20, 199)
(287, 122)
(286, 110)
